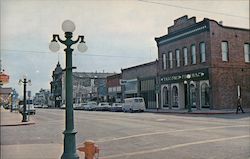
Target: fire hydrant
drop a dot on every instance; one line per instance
(90, 149)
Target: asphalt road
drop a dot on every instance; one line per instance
(142, 135)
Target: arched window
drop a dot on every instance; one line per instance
(165, 97)
(175, 96)
(205, 95)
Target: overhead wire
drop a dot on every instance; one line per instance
(189, 8)
(97, 55)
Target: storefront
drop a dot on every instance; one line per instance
(177, 88)
(148, 92)
(130, 88)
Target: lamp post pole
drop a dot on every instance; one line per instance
(24, 113)
(69, 133)
(188, 99)
(188, 92)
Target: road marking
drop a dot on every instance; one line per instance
(167, 132)
(174, 146)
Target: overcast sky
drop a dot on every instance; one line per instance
(119, 34)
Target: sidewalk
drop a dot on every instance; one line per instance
(195, 111)
(13, 118)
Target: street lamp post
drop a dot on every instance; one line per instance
(188, 92)
(24, 82)
(69, 134)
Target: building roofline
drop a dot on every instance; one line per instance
(229, 27)
(113, 76)
(157, 39)
(145, 64)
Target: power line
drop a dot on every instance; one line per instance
(93, 55)
(199, 10)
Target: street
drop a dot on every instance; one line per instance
(133, 135)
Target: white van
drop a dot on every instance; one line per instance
(133, 104)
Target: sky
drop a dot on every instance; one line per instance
(119, 33)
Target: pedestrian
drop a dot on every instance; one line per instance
(239, 105)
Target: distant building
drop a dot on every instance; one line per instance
(56, 86)
(140, 81)
(206, 59)
(5, 95)
(42, 97)
(114, 88)
(87, 86)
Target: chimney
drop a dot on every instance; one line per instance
(221, 22)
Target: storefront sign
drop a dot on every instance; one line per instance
(193, 75)
(131, 86)
(4, 79)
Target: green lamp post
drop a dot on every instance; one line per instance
(69, 134)
(24, 82)
(188, 92)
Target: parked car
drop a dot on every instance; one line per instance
(80, 106)
(116, 107)
(103, 106)
(91, 105)
(45, 106)
(63, 106)
(38, 106)
(29, 108)
(134, 104)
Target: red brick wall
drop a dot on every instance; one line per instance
(223, 76)
(227, 75)
(114, 80)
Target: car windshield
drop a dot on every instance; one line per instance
(138, 100)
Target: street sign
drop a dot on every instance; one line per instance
(123, 82)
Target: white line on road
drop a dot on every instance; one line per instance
(174, 146)
(167, 132)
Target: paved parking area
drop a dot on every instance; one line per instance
(137, 135)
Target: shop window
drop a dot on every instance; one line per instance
(165, 95)
(193, 95)
(175, 96)
(224, 50)
(247, 52)
(205, 95)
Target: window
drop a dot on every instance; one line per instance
(165, 97)
(185, 55)
(193, 53)
(177, 54)
(224, 50)
(247, 52)
(203, 52)
(205, 95)
(170, 60)
(164, 66)
(175, 96)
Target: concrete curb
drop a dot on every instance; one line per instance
(194, 112)
(18, 124)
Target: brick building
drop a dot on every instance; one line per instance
(114, 88)
(206, 60)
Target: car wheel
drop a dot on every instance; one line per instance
(130, 110)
